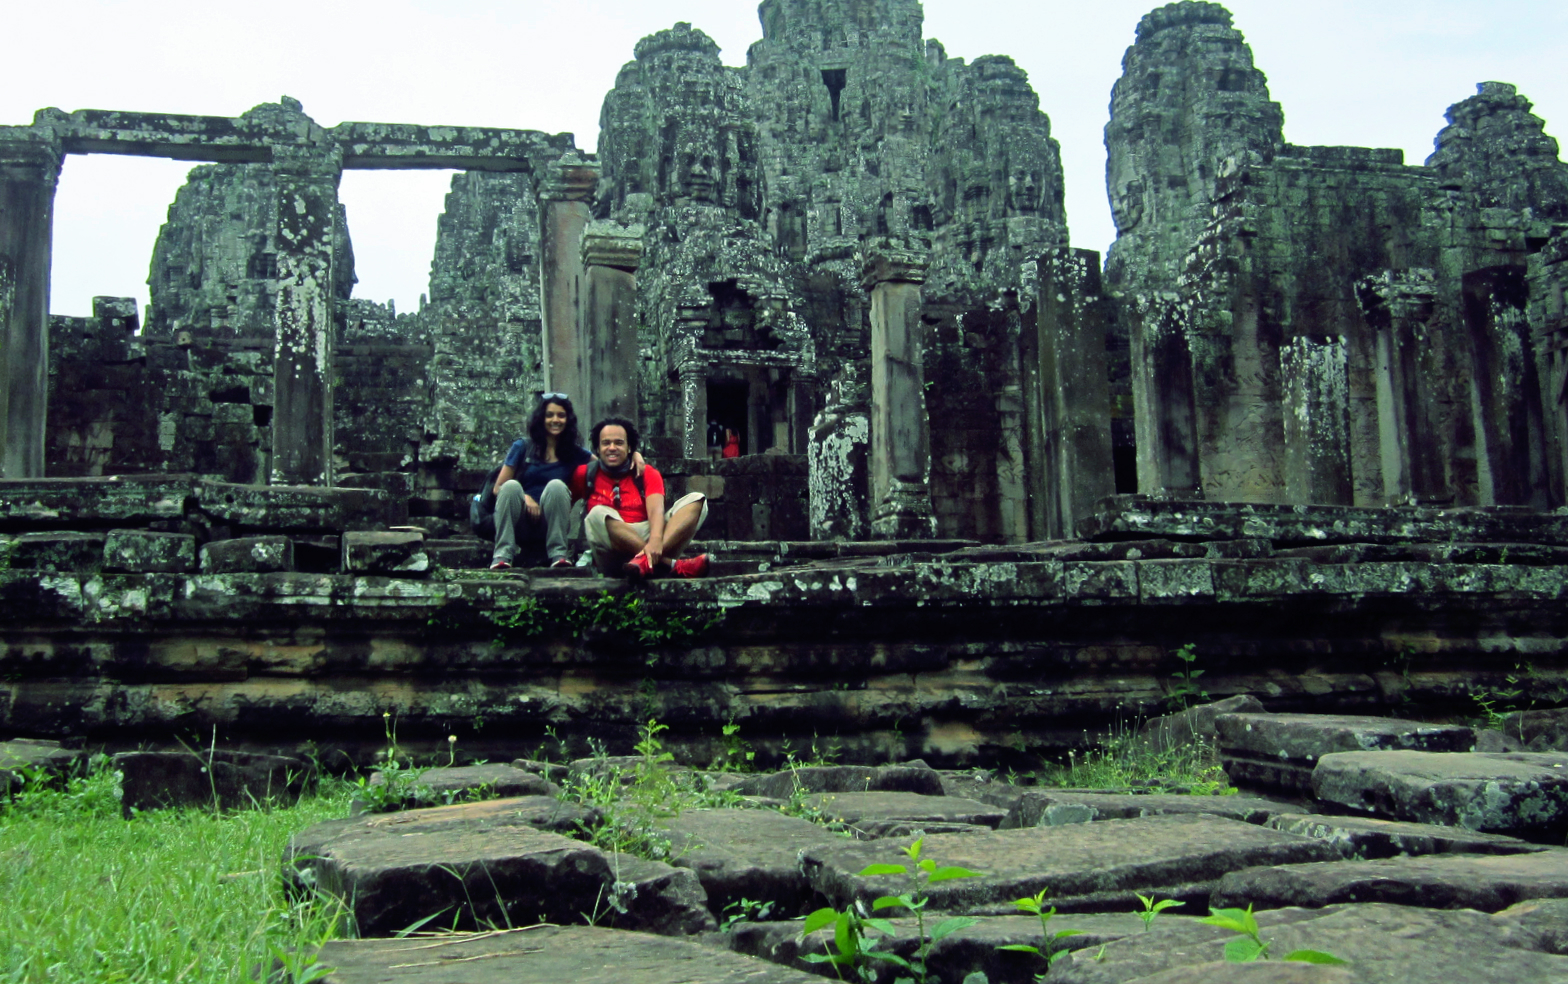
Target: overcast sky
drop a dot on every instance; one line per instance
(1361, 72)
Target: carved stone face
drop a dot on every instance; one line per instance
(695, 178)
(1127, 203)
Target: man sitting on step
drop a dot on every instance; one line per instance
(626, 525)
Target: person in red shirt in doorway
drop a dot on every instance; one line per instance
(626, 525)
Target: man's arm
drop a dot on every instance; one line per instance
(655, 547)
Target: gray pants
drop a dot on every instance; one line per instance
(512, 520)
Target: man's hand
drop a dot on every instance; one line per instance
(654, 550)
(531, 505)
(638, 464)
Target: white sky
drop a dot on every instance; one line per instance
(1362, 72)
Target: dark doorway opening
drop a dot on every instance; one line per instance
(728, 403)
(835, 79)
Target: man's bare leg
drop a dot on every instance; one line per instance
(623, 538)
(680, 527)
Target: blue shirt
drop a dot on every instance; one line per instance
(533, 476)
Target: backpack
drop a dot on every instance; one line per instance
(481, 509)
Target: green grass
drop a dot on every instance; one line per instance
(170, 895)
(1122, 759)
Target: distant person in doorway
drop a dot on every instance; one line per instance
(716, 432)
(533, 503)
(627, 527)
(731, 444)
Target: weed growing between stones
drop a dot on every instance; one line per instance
(400, 787)
(1186, 690)
(1152, 909)
(1249, 946)
(1124, 759)
(1035, 905)
(855, 951)
(187, 895)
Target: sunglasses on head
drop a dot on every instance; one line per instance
(547, 397)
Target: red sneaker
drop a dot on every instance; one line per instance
(500, 565)
(691, 566)
(560, 562)
(638, 568)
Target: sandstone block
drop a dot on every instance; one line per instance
(1086, 866)
(844, 779)
(1279, 751)
(1441, 881)
(1384, 944)
(300, 509)
(752, 854)
(1365, 837)
(226, 779)
(144, 551)
(34, 503)
(487, 863)
(449, 784)
(886, 814)
(1253, 973)
(1522, 794)
(80, 552)
(396, 554)
(248, 555)
(579, 954)
(34, 754)
(1538, 731)
(1049, 808)
(1195, 723)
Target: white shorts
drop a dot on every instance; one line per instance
(606, 557)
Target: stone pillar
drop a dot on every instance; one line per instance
(1413, 444)
(29, 170)
(900, 429)
(694, 409)
(563, 212)
(1316, 388)
(302, 433)
(837, 461)
(1548, 311)
(1164, 420)
(608, 379)
(1078, 469)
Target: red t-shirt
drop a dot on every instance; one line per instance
(633, 509)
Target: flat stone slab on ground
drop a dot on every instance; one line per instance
(575, 954)
(953, 958)
(28, 753)
(1522, 794)
(227, 779)
(446, 784)
(1261, 972)
(489, 864)
(1053, 807)
(1538, 731)
(1279, 751)
(1083, 867)
(844, 779)
(875, 813)
(1442, 881)
(1370, 838)
(1384, 944)
(753, 854)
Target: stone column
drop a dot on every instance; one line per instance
(29, 170)
(1548, 311)
(1316, 388)
(1164, 419)
(610, 256)
(900, 430)
(694, 409)
(563, 211)
(837, 453)
(302, 433)
(1078, 469)
(1399, 307)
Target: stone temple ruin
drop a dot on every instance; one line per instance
(1309, 416)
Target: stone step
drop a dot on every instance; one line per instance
(1279, 751)
(1440, 881)
(1049, 808)
(1521, 794)
(893, 814)
(1368, 838)
(1086, 867)
(1384, 944)
(576, 954)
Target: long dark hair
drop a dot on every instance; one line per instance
(540, 441)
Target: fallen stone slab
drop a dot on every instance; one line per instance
(1443, 881)
(1383, 944)
(552, 771)
(1536, 924)
(1538, 731)
(222, 779)
(248, 555)
(1260, 972)
(878, 814)
(149, 552)
(1522, 794)
(751, 854)
(445, 785)
(1370, 838)
(488, 864)
(952, 959)
(1050, 808)
(982, 786)
(1084, 867)
(396, 554)
(1279, 751)
(1194, 725)
(844, 779)
(34, 503)
(576, 954)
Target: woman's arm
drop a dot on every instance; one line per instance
(507, 474)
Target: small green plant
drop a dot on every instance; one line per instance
(399, 786)
(850, 924)
(623, 615)
(518, 618)
(1152, 909)
(1249, 945)
(736, 753)
(1036, 906)
(744, 910)
(1186, 690)
(1123, 758)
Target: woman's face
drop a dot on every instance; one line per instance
(554, 419)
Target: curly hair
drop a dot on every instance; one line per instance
(537, 438)
(631, 433)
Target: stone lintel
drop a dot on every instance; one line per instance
(892, 261)
(569, 178)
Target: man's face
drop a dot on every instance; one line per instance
(612, 445)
